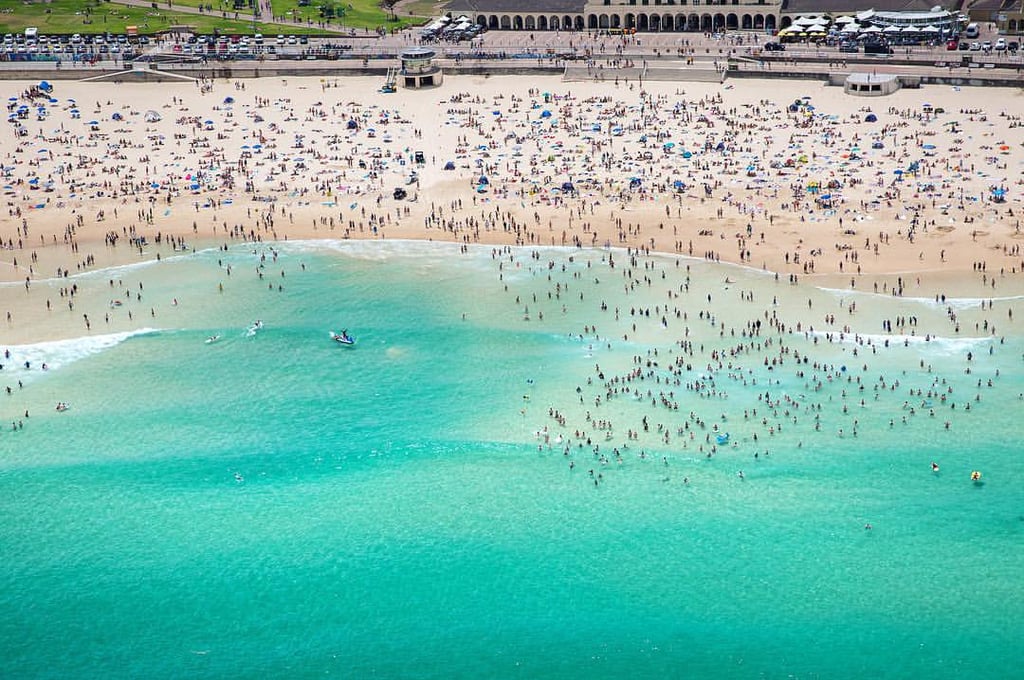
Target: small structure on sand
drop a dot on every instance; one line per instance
(871, 84)
(418, 68)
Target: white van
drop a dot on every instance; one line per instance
(972, 31)
(31, 32)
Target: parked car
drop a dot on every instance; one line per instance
(1000, 45)
(774, 47)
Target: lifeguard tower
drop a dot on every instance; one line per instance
(418, 68)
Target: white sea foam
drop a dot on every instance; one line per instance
(55, 354)
(954, 303)
(114, 272)
(939, 344)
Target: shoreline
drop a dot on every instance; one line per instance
(940, 226)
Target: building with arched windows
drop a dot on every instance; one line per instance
(621, 15)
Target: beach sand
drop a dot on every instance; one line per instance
(788, 177)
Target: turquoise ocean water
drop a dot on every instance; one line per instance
(273, 504)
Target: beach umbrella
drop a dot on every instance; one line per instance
(12, 99)
(928, 146)
(891, 29)
(229, 100)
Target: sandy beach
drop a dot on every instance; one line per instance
(792, 178)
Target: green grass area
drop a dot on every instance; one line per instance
(99, 16)
(423, 8)
(354, 13)
(89, 16)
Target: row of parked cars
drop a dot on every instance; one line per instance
(256, 39)
(17, 46)
(1000, 45)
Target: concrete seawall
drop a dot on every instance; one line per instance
(655, 71)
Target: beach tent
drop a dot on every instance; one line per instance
(117, 116)
(152, 116)
(229, 100)
(449, 165)
(871, 118)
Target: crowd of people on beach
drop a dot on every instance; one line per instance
(784, 186)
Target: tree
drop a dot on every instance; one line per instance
(389, 7)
